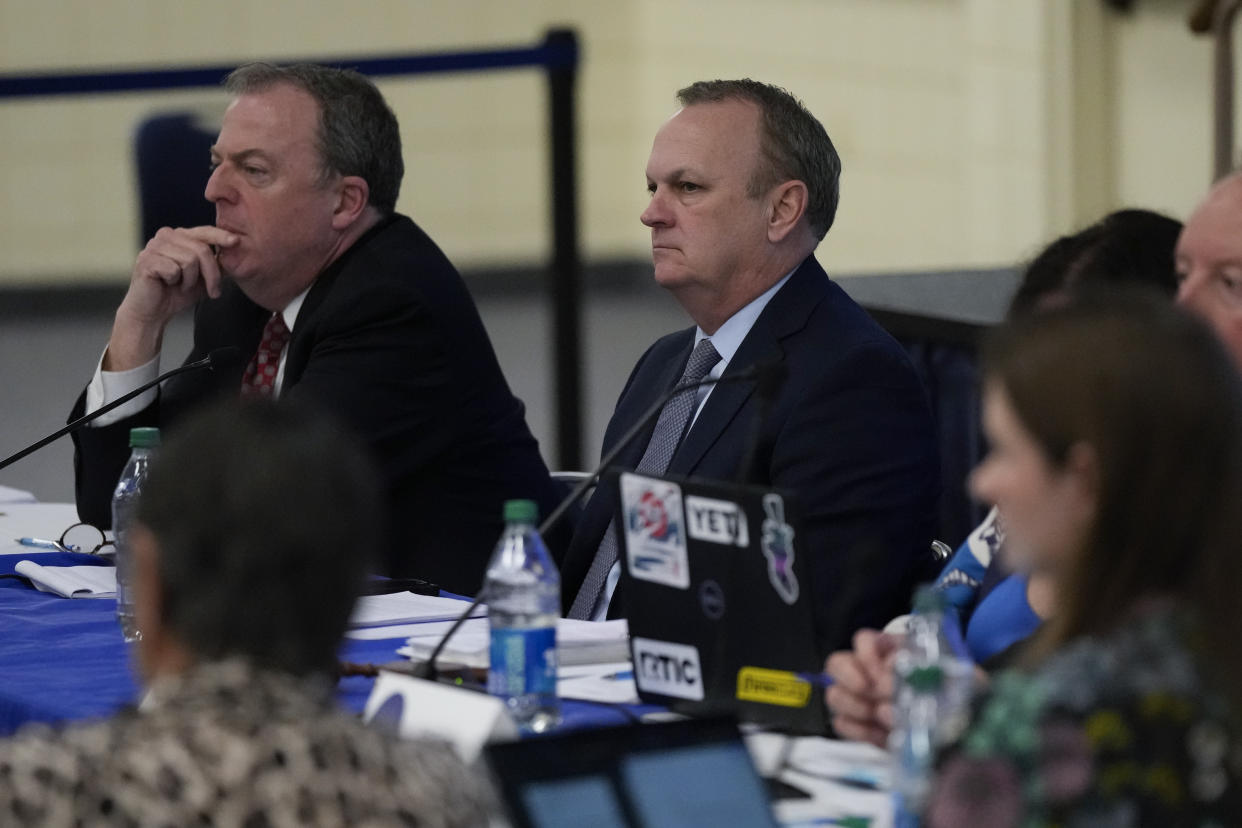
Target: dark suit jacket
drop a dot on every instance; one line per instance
(849, 433)
(390, 341)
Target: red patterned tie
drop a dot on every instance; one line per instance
(260, 377)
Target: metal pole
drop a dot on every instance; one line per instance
(566, 275)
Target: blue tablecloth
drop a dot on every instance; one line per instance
(64, 659)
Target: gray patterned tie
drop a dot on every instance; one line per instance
(669, 428)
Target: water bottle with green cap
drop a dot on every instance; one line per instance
(142, 442)
(933, 677)
(523, 594)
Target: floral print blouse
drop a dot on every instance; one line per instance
(1114, 731)
(228, 745)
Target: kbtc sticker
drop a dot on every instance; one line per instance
(780, 687)
(655, 533)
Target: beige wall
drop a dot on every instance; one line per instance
(971, 130)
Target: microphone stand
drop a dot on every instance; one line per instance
(208, 361)
(428, 670)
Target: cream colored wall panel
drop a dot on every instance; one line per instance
(943, 111)
(1006, 30)
(1163, 132)
(879, 124)
(808, 47)
(896, 218)
(613, 180)
(497, 211)
(1093, 79)
(1005, 213)
(1006, 141)
(497, 118)
(886, 78)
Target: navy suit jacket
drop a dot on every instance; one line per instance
(389, 340)
(849, 434)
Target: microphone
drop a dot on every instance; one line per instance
(758, 371)
(211, 361)
(768, 384)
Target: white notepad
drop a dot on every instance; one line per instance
(71, 581)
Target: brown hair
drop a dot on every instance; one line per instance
(1157, 399)
(1130, 246)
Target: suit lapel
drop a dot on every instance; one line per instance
(303, 337)
(786, 313)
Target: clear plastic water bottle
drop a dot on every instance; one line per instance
(933, 682)
(143, 442)
(523, 594)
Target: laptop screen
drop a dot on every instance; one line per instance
(692, 772)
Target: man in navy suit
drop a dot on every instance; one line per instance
(340, 300)
(744, 185)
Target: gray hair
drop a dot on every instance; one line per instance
(793, 144)
(265, 516)
(358, 132)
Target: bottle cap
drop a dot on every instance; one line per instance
(520, 511)
(144, 437)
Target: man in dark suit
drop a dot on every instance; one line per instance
(743, 184)
(339, 299)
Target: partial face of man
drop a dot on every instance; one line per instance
(268, 190)
(708, 236)
(1209, 263)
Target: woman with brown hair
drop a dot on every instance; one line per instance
(1115, 426)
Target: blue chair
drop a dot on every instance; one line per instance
(172, 155)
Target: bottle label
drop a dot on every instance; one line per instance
(523, 662)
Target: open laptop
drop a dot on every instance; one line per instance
(691, 772)
(717, 597)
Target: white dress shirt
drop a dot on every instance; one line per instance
(106, 386)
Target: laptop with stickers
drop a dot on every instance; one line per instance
(717, 598)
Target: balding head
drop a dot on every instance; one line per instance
(1209, 262)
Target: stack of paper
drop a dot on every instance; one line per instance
(407, 608)
(71, 581)
(577, 642)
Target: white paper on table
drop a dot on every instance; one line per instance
(406, 608)
(608, 683)
(427, 629)
(845, 779)
(71, 581)
(577, 642)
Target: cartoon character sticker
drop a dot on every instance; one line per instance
(777, 545)
(655, 533)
